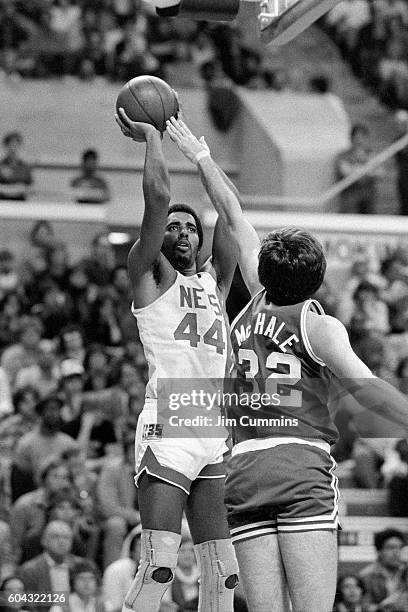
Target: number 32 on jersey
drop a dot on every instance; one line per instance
(187, 330)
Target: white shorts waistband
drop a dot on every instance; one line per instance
(263, 443)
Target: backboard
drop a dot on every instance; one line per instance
(280, 21)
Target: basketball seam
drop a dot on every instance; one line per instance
(142, 107)
(161, 99)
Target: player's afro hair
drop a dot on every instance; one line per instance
(187, 209)
(291, 266)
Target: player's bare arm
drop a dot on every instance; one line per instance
(149, 271)
(329, 340)
(224, 197)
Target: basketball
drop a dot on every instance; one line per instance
(148, 99)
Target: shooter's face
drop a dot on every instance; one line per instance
(180, 244)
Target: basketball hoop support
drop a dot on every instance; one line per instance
(279, 29)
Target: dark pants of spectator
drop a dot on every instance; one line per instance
(403, 195)
(361, 205)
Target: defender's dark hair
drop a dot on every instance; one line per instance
(291, 266)
(187, 209)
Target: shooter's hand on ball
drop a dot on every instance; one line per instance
(137, 131)
(186, 141)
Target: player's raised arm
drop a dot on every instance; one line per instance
(156, 190)
(330, 342)
(224, 196)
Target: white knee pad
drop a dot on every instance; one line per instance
(218, 575)
(158, 560)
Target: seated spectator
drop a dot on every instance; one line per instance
(29, 512)
(397, 602)
(65, 505)
(59, 267)
(118, 575)
(15, 174)
(97, 369)
(72, 343)
(81, 292)
(131, 55)
(397, 477)
(103, 324)
(54, 309)
(184, 589)
(12, 585)
(117, 502)
(350, 595)
(89, 187)
(99, 265)
(85, 594)
(49, 571)
(384, 577)
(84, 418)
(393, 72)
(42, 235)
(11, 311)
(370, 312)
(44, 375)
(9, 278)
(26, 351)
(46, 439)
(7, 565)
(360, 196)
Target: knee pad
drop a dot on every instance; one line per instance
(158, 560)
(218, 575)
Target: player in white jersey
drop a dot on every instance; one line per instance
(281, 493)
(179, 308)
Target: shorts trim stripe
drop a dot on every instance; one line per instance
(308, 527)
(254, 534)
(145, 469)
(307, 519)
(259, 524)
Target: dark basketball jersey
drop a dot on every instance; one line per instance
(281, 385)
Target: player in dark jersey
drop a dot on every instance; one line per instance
(290, 359)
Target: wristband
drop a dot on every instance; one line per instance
(200, 155)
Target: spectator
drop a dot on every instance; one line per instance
(28, 516)
(360, 196)
(117, 501)
(85, 589)
(49, 571)
(15, 174)
(103, 324)
(350, 595)
(43, 376)
(184, 588)
(64, 23)
(11, 311)
(7, 566)
(9, 278)
(45, 440)
(42, 236)
(54, 309)
(89, 187)
(370, 312)
(72, 343)
(118, 576)
(99, 265)
(23, 417)
(401, 159)
(397, 474)
(96, 366)
(12, 585)
(65, 505)
(59, 265)
(397, 602)
(25, 352)
(384, 577)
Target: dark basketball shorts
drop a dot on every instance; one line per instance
(288, 488)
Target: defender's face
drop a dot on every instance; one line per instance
(180, 244)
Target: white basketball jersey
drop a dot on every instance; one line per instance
(183, 332)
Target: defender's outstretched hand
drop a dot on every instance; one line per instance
(188, 144)
(137, 131)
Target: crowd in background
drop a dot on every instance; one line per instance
(373, 37)
(72, 377)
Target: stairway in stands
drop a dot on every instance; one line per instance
(312, 53)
